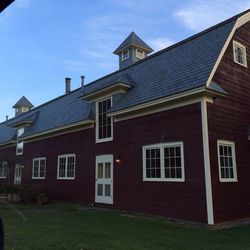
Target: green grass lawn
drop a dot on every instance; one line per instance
(66, 226)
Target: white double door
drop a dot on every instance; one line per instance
(104, 179)
(18, 174)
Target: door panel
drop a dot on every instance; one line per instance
(104, 179)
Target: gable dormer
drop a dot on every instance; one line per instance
(131, 50)
(22, 106)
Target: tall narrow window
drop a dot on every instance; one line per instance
(104, 124)
(3, 169)
(163, 162)
(227, 161)
(19, 147)
(240, 55)
(66, 167)
(39, 168)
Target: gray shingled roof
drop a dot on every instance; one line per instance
(178, 68)
(135, 40)
(23, 102)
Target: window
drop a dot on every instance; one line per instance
(3, 170)
(39, 168)
(19, 147)
(125, 55)
(104, 124)
(140, 54)
(227, 161)
(66, 167)
(240, 55)
(163, 162)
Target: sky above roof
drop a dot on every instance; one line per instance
(42, 42)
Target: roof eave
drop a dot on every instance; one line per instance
(194, 93)
(110, 90)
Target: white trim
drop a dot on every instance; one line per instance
(240, 21)
(190, 94)
(232, 145)
(18, 142)
(66, 166)
(161, 146)
(38, 159)
(207, 169)
(157, 109)
(241, 46)
(97, 140)
(123, 58)
(103, 181)
(59, 129)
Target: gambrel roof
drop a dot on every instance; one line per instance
(181, 68)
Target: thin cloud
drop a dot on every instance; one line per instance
(203, 14)
(160, 43)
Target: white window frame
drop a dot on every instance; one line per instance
(137, 54)
(237, 44)
(98, 140)
(162, 146)
(4, 167)
(232, 145)
(39, 174)
(66, 166)
(18, 142)
(123, 55)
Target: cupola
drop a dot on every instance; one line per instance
(22, 106)
(131, 50)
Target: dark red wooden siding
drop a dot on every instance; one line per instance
(175, 200)
(229, 118)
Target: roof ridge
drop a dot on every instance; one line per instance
(188, 39)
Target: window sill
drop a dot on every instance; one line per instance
(104, 140)
(228, 180)
(67, 178)
(38, 178)
(163, 180)
(243, 65)
(3, 177)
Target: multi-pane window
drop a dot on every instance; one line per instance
(227, 161)
(125, 55)
(19, 146)
(103, 122)
(163, 162)
(39, 168)
(66, 166)
(3, 170)
(240, 55)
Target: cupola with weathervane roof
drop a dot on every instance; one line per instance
(22, 106)
(131, 50)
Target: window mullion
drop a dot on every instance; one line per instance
(162, 162)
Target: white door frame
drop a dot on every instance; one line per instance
(18, 174)
(104, 182)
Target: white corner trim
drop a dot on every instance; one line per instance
(207, 170)
(240, 21)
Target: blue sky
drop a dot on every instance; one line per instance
(42, 42)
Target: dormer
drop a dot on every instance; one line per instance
(131, 50)
(22, 106)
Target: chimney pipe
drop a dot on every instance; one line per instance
(67, 85)
(7, 117)
(82, 81)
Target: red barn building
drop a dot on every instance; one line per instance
(166, 134)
